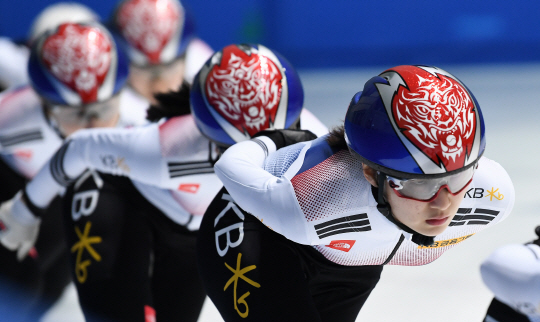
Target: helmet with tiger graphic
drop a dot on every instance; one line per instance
(243, 89)
(152, 32)
(415, 122)
(77, 64)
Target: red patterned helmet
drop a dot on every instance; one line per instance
(243, 89)
(77, 64)
(416, 122)
(152, 32)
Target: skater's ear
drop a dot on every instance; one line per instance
(370, 174)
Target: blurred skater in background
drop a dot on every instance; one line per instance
(77, 77)
(512, 273)
(14, 56)
(160, 41)
(133, 240)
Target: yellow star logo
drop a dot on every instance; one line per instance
(239, 273)
(85, 242)
(491, 194)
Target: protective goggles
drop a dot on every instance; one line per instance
(428, 189)
(153, 71)
(153, 79)
(80, 115)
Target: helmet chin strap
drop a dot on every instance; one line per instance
(52, 122)
(384, 208)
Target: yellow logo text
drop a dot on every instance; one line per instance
(122, 164)
(239, 273)
(448, 242)
(85, 242)
(491, 194)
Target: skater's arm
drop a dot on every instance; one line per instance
(269, 198)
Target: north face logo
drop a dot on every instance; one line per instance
(343, 245)
(149, 314)
(189, 187)
(24, 154)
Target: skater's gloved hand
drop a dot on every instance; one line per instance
(19, 227)
(284, 138)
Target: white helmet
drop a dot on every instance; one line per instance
(58, 13)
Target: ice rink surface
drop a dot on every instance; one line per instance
(449, 289)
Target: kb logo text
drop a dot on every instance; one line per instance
(478, 193)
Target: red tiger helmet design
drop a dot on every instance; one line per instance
(245, 89)
(436, 113)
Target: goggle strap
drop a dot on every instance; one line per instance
(381, 178)
(384, 208)
(382, 205)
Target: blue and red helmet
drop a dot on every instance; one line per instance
(77, 64)
(415, 122)
(152, 32)
(244, 89)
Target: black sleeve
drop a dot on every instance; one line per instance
(498, 311)
(287, 137)
(11, 182)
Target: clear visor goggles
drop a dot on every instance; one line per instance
(80, 115)
(151, 79)
(428, 189)
(166, 71)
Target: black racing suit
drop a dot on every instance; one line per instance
(38, 280)
(128, 259)
(238, 256)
